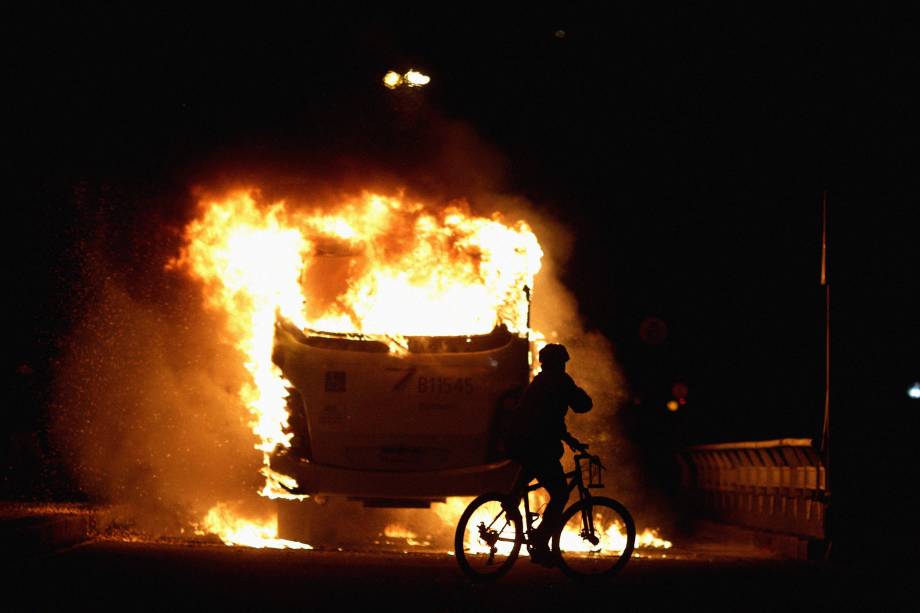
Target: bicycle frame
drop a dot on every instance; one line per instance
(576, 481)
(600, 559)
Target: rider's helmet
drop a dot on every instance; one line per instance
(553, 353)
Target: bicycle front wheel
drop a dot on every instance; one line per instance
(488, 537)
(596, 540)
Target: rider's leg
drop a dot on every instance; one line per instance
(552, 477)
(519, 488)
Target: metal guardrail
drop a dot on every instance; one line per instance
(778, 486)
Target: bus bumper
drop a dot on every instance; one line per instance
(369, 485)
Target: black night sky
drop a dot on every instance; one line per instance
(686, 149)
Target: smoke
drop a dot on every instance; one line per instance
(472, 163)
(146, 406)
(593, 364)
(146, 402)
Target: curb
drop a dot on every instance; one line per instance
(29, 535)
(788, 546)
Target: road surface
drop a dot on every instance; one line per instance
(123, 574)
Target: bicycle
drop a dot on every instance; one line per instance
(595, 539)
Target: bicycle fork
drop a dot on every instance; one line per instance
(587, 529)
(587, 520)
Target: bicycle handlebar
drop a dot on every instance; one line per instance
(581, 453)
(590, 456)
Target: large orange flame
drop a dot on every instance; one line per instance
(374, 265)
(408, 272)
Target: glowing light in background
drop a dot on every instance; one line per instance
(416, 79)
(914, 391)
(412, 78)
(392, 79)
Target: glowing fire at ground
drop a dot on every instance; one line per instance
(400, 532)
(613, 537)
(234, 530)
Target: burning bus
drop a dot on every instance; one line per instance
(383, 339)
(398, 429)
(389, 427)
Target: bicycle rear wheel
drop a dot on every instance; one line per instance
(488, 537)
(596, 540)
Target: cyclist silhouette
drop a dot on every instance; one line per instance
(536, 439)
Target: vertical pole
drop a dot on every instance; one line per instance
(527, 294)
(825, 430)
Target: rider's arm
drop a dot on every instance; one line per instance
(579, 400)
(571, 441)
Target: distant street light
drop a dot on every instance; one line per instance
(392, 79)
(412, 78)
(914, 391)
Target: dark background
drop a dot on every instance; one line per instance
(686, 149)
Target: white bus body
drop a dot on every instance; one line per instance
(399, 429)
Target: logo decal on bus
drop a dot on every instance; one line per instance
(401, 383)
(445, 385)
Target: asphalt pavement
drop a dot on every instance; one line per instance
(111, 573)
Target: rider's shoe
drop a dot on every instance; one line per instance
(542, 556)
